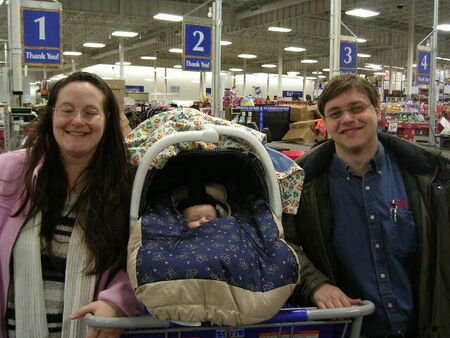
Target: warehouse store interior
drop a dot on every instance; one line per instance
(258, 59)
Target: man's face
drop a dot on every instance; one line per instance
(352, 121)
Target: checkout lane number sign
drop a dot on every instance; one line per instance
(41, 36)
(197, 47)
(347, 57)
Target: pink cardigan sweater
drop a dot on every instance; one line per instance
(114, 288)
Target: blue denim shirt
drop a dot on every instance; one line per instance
(374, 236)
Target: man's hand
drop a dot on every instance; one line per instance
(100, 309)
(328, 296)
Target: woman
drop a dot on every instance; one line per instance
(64, 217)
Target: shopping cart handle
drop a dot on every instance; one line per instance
(291, 315)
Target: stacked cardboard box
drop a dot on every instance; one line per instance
(303, 128)
(118, 88)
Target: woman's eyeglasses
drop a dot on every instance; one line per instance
(89, 115)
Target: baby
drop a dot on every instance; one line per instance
(199, 214)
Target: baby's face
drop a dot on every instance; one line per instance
(199, 215)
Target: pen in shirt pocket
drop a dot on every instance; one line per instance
(393, 210)
(395, 204)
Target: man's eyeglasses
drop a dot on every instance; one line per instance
(89, 115)
(353, 110)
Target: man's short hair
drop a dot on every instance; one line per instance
(342, 83)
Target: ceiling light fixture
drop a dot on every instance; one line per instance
(361, 40)
(326, 69)
(225, 43)
(125, 63)
(310, 78)
(294, 49)
(124, 34)
(72, 53)
(293, 73)
(442, 58)
(445, 27)
(309, 61)
(94, 45)
(268, 65)
(247, 56)
(176, 50)
(363, 55)
(148, 57)
(279, 29)
(177, 66)
(362, 13)
(168, 17)
(235, 69)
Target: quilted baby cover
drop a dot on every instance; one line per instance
(231, 271)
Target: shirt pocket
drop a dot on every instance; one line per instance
(402, 234)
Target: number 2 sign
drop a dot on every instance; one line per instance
(197, 40)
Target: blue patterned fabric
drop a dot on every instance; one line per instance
(242, 250)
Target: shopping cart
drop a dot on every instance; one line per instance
(290, 322)
(299, 322)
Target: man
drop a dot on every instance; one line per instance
(374, 220)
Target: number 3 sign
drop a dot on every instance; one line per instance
(347, 58)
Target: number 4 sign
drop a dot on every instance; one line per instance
(423, 67)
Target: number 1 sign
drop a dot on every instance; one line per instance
(41, 36)
(197, 47)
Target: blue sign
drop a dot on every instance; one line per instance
(191, 63)
(423, 78)
(424, 63)
(41, 28)
(42, 56)
(134, 89)
(263, 109)
(348, 70)
(197, 40)
(348, 56)
(288, 93)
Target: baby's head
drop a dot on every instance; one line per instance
(198, 215)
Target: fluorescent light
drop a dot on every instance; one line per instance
(168, 17)
(379, 73)
(414, 65)
(225, 43)
(177, 66)
(292, 73)
(373, 66)
(317, 72)
(444, 27)
(363, 55)
(124, 34)
(269, 65)
(326, 69)
(309, 61)
(93, 45)
(247, 56)
(442, 58)
(362, 13)
(176, 50)
(321, 76)
(72, 53)
(279, 29)
(125, 63)
(148, 57)
(310, 78)
(294, 49)
(361, 40)
(235, 69)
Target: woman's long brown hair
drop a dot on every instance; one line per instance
(102, 208)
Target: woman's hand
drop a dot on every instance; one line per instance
(328, 296)
(100, 308)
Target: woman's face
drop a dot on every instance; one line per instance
(79, 120)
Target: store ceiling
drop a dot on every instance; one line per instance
(245, 24)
